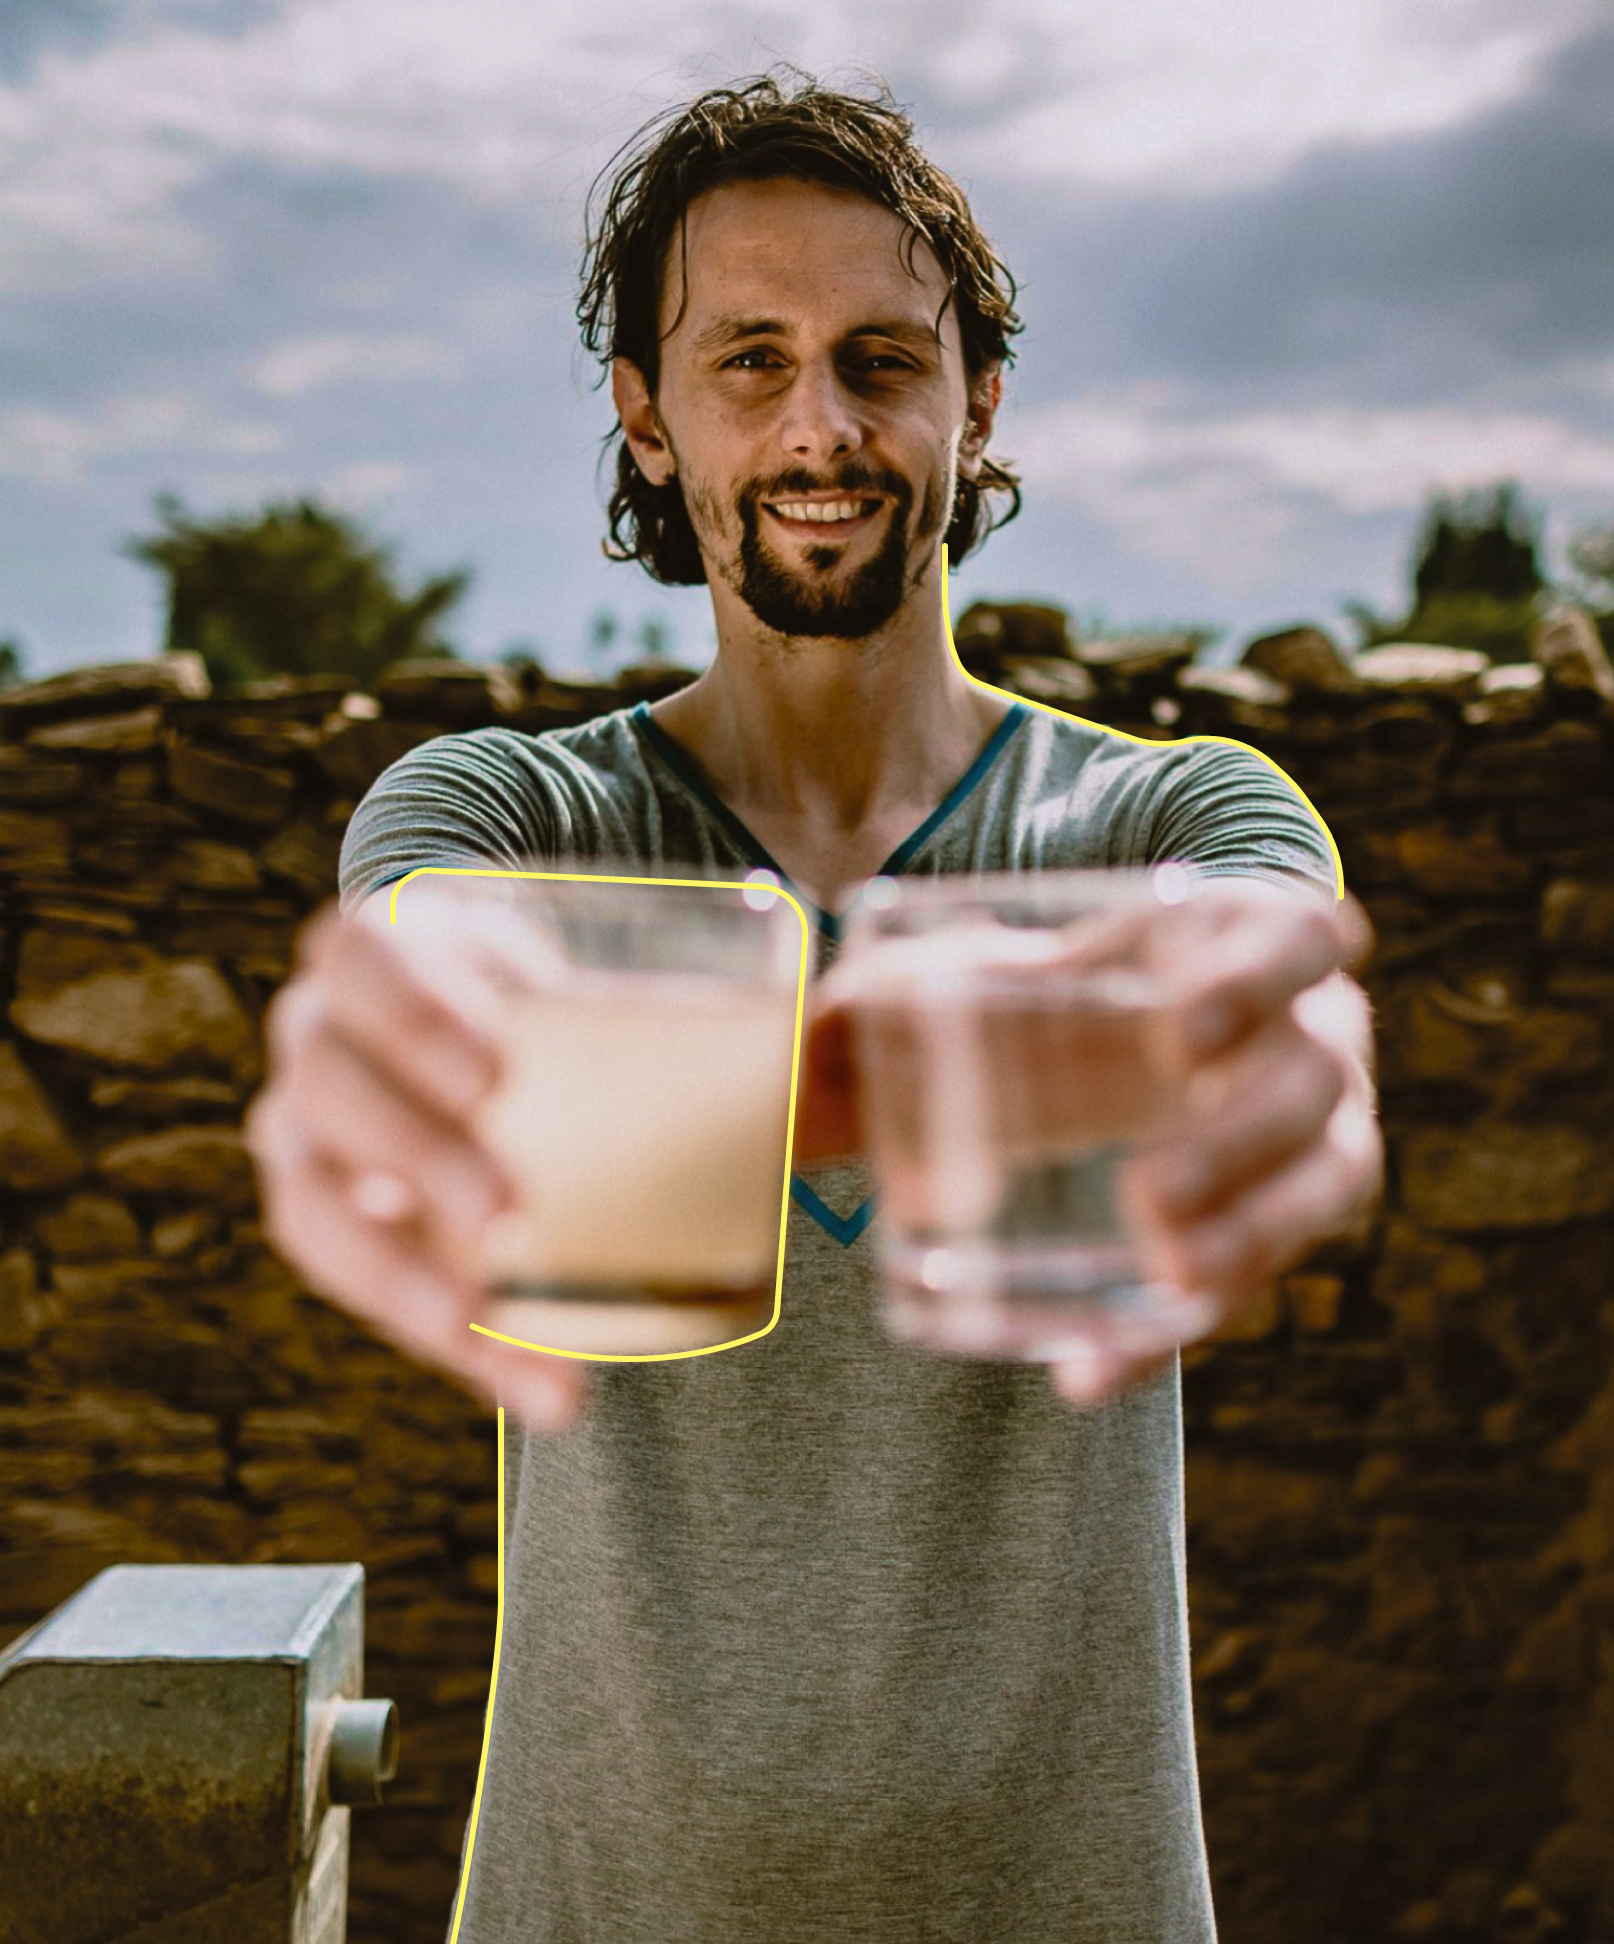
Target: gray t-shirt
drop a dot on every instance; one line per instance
(829, 1639)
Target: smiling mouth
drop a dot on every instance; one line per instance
(827, 529)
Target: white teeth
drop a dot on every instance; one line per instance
(822, 513)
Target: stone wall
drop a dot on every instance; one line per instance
(1400, 1472)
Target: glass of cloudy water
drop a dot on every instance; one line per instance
(643, 1113)
(1015, 1043)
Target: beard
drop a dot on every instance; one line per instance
(809, 589)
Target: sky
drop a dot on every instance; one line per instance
(1285, 272)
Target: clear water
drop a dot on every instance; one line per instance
(1034, 1278)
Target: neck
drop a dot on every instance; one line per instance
(835, 735)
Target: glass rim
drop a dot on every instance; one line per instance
(1162, 884)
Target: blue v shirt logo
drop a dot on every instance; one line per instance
(844, 1228)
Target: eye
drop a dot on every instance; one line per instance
(878, 358)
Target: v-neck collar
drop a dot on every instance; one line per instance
(829, 922)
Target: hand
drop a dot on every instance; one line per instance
(1281, 1148)
(372, 1185)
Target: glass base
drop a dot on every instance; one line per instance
(521, 1290)
(1028, 1304)
(619, 1320)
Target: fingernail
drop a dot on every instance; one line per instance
(381, 1197)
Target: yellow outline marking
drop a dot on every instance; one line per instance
(699, 884)
(705, 883)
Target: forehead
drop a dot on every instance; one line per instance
(799, 252)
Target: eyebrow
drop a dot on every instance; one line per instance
(731, 328)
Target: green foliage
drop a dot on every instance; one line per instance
(295, 590)
(1500, 629)
(1477, 579)
(10, 661)
(1480, 544)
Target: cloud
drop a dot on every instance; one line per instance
(367, 481)
(1218, 492)
(304, 364)
(507, 101)
(1426, 268)
(1155, 97)
(55, 446)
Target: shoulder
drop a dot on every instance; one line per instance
(498, 754)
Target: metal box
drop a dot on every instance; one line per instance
(179, 1749)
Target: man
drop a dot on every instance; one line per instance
(829, 1637)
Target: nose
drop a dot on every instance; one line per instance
(819, 419)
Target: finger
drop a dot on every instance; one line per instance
(1089, 1382)
(385, 1278)
(355, 1117)
(1273, 947)
(1270, 1227)
(414, 1013)
(1274, 1095)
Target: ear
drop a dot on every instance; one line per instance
(643, 429)
(985, 397)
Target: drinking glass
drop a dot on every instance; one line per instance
(1015, 1039)
(643, 1114)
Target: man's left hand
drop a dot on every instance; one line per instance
(1280, 1148)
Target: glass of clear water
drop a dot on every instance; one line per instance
(1016, 1043)
(643, 1113)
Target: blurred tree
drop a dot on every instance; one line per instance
(10, 660)
(653, 637)
(1476, 578)
(603, 629)
(295, 590)
(1478, 545)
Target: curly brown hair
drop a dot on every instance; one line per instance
(755, 132)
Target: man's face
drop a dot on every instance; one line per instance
(817, 405)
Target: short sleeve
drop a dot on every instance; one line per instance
(458, 799)
(1226, 811)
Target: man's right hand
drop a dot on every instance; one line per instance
(373, 1187)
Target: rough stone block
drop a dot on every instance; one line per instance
(1570, 650)
(112, 687)
(1304, 658)
(1313, 1301)
(446, 692)
(1125, 660)
(35, 1150)
(134, 1009)
(252, 793)
(1560, 761)
(1061, 684)
(23, 1312)
(26, 777)
(196, 1163)
(1422, 668)
(1505, 1176)
(1578, 917)
(32, 843)
(128, 731)
(87, 1228)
